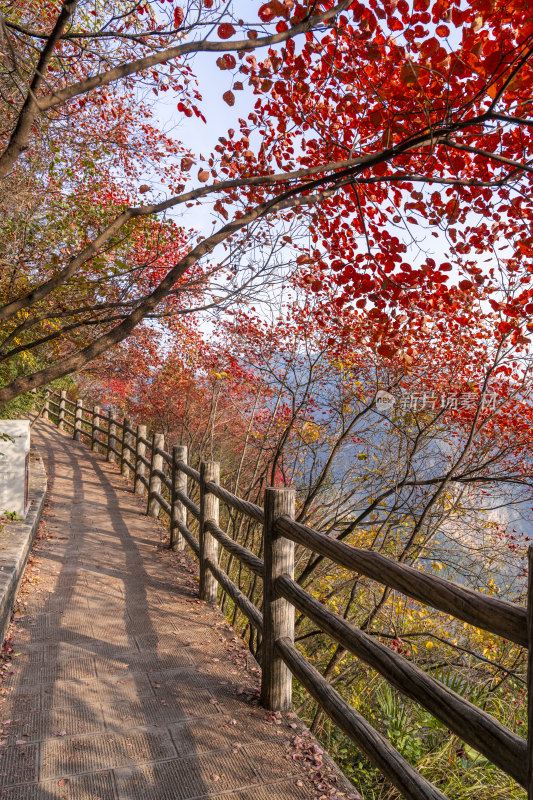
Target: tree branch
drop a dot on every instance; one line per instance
(20, 136)
(18, 141)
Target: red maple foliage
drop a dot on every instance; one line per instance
(377, 128)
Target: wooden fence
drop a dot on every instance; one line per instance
(164, 478)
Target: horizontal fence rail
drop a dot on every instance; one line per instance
(162, 477)
(474, 726)
(488, 613)
(375, 746)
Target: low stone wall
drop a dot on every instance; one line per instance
(16, 539)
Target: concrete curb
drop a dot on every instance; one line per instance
(16, 540)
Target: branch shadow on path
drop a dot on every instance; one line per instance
(125, 686)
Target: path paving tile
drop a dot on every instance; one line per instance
(122, 685)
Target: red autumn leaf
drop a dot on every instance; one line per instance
(144, 188)
(203, 175)
(442, 31)
(178, 16)
(429, 47)
(229, 98)
(208, 3)
(226, 61)
(186, 164)
(226, 30)
(221, 210)
(373, 52)
(516, 82)
(409, 73)
(266, 12)
(386, 350)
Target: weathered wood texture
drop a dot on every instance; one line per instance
(158, 442)
(240, 599)
(112, 440)
(250, 509)
(140, 460)
(189, 471)
(126, 448)
(278, 613)
(209, 511)
(95, 428)
(191, 507)
(162, 502)
(167, 457)
(78, 420)
(127, 465)
(160, 473)
(178, 514)
(62, 406)
(189, 537)
(244, 555)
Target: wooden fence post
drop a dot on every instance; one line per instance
(111, 439)
(209, 471)
(179, 484)
(62, 407)
(125, 448)
(140, 466)
(156, 462)
(46, 409)
(78, 416)
(95, 425)
(530, 675)
(278, 613)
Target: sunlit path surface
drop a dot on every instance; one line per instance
(122, 685)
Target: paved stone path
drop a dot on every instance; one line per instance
(122, 685)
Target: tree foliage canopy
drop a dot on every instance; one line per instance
(376, 127)
(376, 193)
